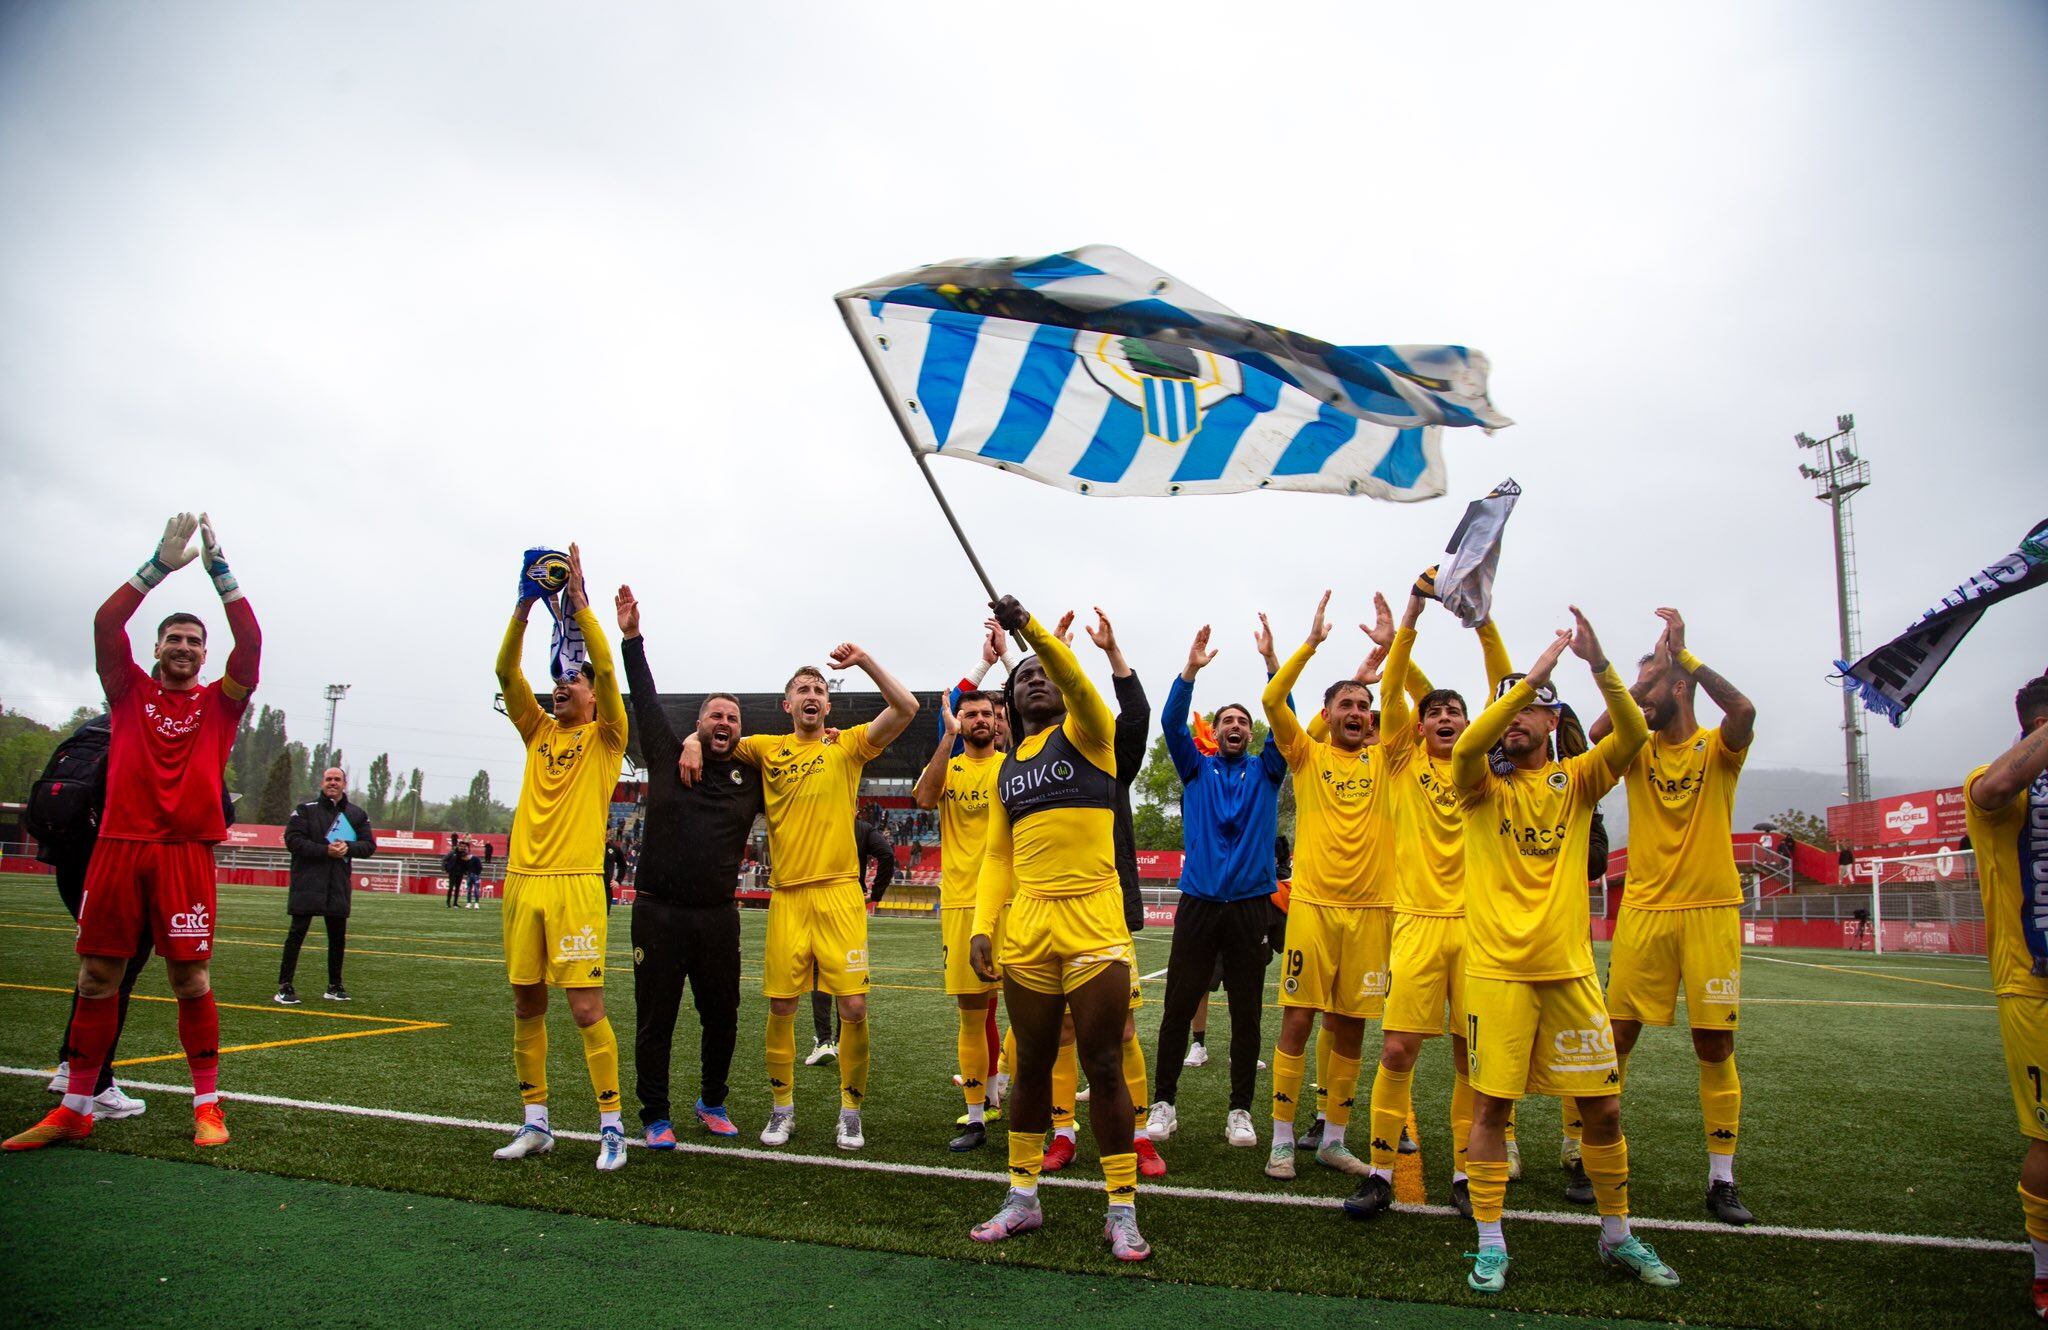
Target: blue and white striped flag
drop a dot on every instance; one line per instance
(1096, 372)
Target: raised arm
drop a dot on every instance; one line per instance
(1648, 681)
(1738, 713)
(1173, 720)
(901, 706)
(931, 782)
(1631, 731)
(2011, 772)
(113, 654)
(1499, 665)
(245, 660)
(520, 707)
(604, 684)
(1088, 717)
(1397, 713)
(658, 742)
(1280, 715)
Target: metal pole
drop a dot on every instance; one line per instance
(1849, 755)
(874, 364)
(1876, 918)
(335, 692)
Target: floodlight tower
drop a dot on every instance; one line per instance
(335, 692)
(1840, 474)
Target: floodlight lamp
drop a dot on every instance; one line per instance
(1845, 423)
(1801, 439)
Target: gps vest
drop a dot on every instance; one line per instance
(1057, 776)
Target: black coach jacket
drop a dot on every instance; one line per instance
(321, 884)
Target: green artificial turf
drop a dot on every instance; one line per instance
(1891, 1117)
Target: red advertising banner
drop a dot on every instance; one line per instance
(248, 836)
(1925, 817)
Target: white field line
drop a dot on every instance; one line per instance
(1868, 972)
(1848, 1002)
(1147, 978)
(989, 1178)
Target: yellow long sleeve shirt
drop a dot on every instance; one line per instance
(565, 792)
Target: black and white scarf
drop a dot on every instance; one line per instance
(2034, 874)
(1891, 678)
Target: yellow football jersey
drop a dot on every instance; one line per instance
(565, 794)
(964, 802)
(1995, 836)
(810, 792)
(1343, 820)
(1681, 804)
(1526, 839)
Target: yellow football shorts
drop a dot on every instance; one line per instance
(817, 938)
(1655, 950)
(555, 929)
(1429, 972)
(1335, 958)
(956, 933)
(2023, 1029)
(1057, 944)
(1549, 1038)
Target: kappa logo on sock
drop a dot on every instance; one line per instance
(1280, 1098)
(852, 1093)
(1020, 1171)
(607, 1096)
(970, 1084)
(1721, 1134)
(775, 1084)
(1381, 1145)
(524, 1086)
(1123, 1191)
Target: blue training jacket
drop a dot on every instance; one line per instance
(1230, 809)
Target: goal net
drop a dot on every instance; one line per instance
(1923, 902)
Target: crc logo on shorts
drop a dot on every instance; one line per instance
(194, 922)
(1724, 988)
(856, 960)
(1583, 1050)
(1374, 983)
(578, 946)
(1557, 780)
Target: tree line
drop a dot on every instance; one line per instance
(271, 773)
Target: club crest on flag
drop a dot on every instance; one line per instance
(1172, 387)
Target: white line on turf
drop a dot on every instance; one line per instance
(1156, 974)
(990, 1177)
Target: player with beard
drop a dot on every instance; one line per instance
(555, 897)
(1429, 907)
(1338, 920)
(1681, 910)
(961, 787)
(817, 916)
(152, 867)
(686, 923)
(1066, 945)
(1535, 1021)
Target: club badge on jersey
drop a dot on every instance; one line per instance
(543, 574)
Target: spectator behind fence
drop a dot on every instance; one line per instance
(455, 864)
(324, 834)
(473, 870)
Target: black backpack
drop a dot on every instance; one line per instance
(64, 803)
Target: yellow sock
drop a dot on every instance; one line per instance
(530, 1057)
(1486, 1183)
(1574, 1121)
(1343, 1087)
(1134, 1078)
(1120, 1178)
(1323, 1047)
(1010, 1054)
(1607, 1169)
(782, 1059)
(1393, 1095)
(601, 1055)
(971, 1043)
(1066, 1079)
(2037, 1214)
(853, 1062)
(1621, 1073)
(1461, 1118)
(1286, 1088)
(1721, 1105)
(1027, 1148)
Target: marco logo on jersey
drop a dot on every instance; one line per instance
(193, 921)
(1349, 789)
(1533, 842)
(581, 946)
(1671, 790)
(168, 726)
(795, 768)
(967, 801)
(559, 762)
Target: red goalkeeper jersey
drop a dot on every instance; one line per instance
(166, 758)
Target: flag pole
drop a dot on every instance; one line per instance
(867, 354)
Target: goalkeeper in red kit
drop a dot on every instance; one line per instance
(152, 868)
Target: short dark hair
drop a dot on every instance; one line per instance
(1330, 693)
(1437, 697)
(978, 695)
(1234, 706)
(2032, 699)
(181, 617)
(804, 672)
(709, 698)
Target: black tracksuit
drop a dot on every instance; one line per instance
(1133, 722)
(686, 924)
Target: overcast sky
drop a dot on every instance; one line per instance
(396, 290)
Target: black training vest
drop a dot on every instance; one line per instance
(1058, 777)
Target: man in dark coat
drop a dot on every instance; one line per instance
(323, 835)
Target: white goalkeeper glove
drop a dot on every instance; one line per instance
(216, 563)
(173, 552)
